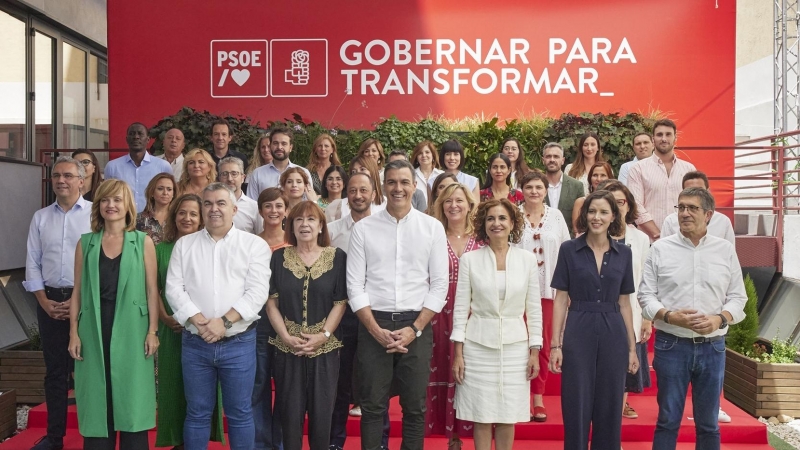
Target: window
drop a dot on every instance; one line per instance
(12, 87)
(73, 96)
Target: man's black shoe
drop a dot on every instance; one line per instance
(46, 443)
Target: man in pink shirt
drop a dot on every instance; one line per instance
(656, 181)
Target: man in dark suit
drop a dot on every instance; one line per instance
(563, 190)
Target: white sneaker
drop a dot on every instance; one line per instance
(356, 412)
(723, 417)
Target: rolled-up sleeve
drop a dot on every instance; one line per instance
(533, 305)
(439, 269)
(648, 288)
(34, 280)
(736, 297)
(256, 282)
(357, 270)
(177, 297)
(462, 301)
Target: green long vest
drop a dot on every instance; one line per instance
(132, 375)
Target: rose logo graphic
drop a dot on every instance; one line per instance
(298, 75)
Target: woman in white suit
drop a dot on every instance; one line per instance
(496, 354)
(639, 243)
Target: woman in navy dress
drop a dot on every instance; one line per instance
(594, 277)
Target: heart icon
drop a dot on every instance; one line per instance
(240, 76)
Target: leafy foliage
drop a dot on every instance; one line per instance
(34, 338)
(783, 352)
(742, 336)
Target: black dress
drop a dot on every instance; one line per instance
(303, 384)
(109, 280)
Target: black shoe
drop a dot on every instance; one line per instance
(334, 447)
(46, 443)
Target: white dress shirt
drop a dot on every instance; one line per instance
(719, 226)
(340, 230)
(467, 180)
(656, 193)
(422, 182)
(340, 208)
(177, 165)
(397, 266)
(678, 275)
(247, 217)
(268, 176)
(211, 277)
(552, 233)
(52, 239)
(625, 169)
(554, 192)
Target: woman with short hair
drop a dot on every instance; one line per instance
(199, 170)
(308, 296)
(452, 160)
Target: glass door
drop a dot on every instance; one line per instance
(44, 77)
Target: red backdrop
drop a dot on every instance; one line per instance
(679, 58)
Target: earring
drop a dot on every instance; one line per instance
(283, 224)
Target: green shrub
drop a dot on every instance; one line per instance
(743, 335)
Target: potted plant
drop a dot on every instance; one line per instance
(761, 379)
(22, 369)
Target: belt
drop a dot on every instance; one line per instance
(594, 306)
(58, 294)
(228, 338)
(404, 316)
(692, 340)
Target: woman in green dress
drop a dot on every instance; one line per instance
(113, 322)
(184, 218)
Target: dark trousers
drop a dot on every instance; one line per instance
(593, 375)
(408, 372)
(267, 421)
(58, 364)
(347, 384)
(304, 384)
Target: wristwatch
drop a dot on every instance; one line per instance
(537, 347)
(417, 331)
(228, 324)
(724, 323)
(326, 333)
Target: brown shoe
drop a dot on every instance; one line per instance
(628, 412)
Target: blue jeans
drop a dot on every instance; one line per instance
(233, 364)
(678, 363)
(268, 424)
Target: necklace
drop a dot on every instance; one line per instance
(538, 249)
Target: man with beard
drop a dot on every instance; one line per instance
(137, 168)
(563, 190)
(656, 182)
(642, 148)
(268, 175)
(174, 143)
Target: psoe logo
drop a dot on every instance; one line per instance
(298, 67)
(239, 68)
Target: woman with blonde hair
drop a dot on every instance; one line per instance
(588, 153)
(261, 155)
(159, 193)
(497, 327)
(455, 209)
(199, 170)
(114, 324)
(323, 156)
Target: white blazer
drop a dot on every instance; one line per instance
(640, 247)
(480, 316)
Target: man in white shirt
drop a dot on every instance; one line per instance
(719, 225)
(642, 148)
(655, 182)
(217, 282)
(419, 200)
(174, 143)
(562, 190)
(49, 274)
(397, 275)
(247, 218)
(268, 175)
(692, 288)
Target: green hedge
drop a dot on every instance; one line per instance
(480, 139)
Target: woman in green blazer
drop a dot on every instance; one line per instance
(113, 325)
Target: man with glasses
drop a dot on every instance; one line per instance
(719, 225)
(268, 175)
(49, 275)
(692, 288)
(138, 167)
(247, 218)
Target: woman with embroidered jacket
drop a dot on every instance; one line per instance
(308, 295)
(114, 325)
(496, 353)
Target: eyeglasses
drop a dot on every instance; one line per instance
(230, 174)
(622, 202)
(85, 162)
(692, 209)
(66, 176)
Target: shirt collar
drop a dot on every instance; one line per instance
(231, 233)
(291, 164)
(613, 245)
(689, 242)
(658, 160)
(385, 213)
(145, 159)
(82, 203)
